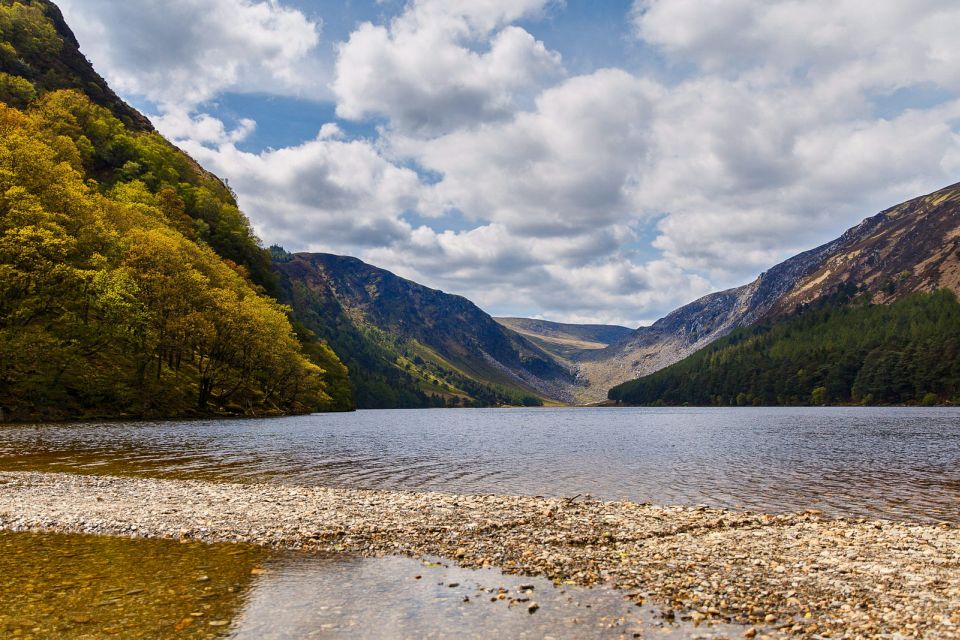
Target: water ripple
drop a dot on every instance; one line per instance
(860, 462)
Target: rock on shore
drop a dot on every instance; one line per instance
(798, 574)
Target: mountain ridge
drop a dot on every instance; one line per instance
(566, 342)
(426, 341)
(883, 252)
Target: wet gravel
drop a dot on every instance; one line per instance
(797, 575)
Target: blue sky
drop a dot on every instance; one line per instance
(579, 161)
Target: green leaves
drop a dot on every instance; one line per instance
(846, 351)
(108, 304)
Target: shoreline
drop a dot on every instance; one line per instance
(799, 574)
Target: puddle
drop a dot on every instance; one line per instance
(93, 587)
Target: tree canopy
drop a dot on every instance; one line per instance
(842, 351)
(113, 300)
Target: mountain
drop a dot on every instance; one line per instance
(566, 342)
(407, 345)
(840, 350)
(37, 45)
(131, 285)
(910, 248)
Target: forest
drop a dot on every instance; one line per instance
(130, 282)
(844, 350)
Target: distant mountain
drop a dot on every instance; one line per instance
(840, 350)
(407, 345)
(566, 342)
(909, 248)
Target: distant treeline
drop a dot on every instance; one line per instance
(842, 351)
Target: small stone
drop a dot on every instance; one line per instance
(203, 579)
(532, 607)
(750, 633)
(453, 584)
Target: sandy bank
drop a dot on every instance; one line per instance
(798, 574)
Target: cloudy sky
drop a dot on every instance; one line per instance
(573, 160)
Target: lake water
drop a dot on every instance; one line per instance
(901, 463)
(86, 587)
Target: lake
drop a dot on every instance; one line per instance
(77, 587)
(899, 463)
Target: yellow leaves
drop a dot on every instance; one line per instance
(28, 30)
(16, 91)
(115, 283)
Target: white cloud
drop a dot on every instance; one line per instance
(324, 195)
(180, 53)
(500, 269)
(443, 64)
(891, 43)
(612, 195)
(203, 128)
(568, 165)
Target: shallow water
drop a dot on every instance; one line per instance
(78, 587)
(901, 463)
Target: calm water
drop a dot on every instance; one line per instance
(891, 462)
(86, 587)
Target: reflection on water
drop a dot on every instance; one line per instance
(885, 462)
(58, 586)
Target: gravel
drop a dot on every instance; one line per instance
(796, 574)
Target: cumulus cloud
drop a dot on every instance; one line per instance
(567, 165)
(867, 43)
(776, 142)
(443, 64)
(327, 194)
(767, 127)
(183, 52)
(562, 276)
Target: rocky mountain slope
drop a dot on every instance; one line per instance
(407, 345)
(912, 247)
(566, 342)
(33, 55)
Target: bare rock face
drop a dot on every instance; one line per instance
(912, 247)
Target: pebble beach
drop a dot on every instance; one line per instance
(780, 575)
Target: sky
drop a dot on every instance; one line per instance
(571, 160)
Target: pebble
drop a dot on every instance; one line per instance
(820, 577)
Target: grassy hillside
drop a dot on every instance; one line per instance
(130, 282)
(841, 350)
(567, 342)
(410, 346)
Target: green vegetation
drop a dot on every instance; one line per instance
(130, 282)
(37, 47)
(842, 351)
(387, 370)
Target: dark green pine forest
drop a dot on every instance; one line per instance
(843, 350)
